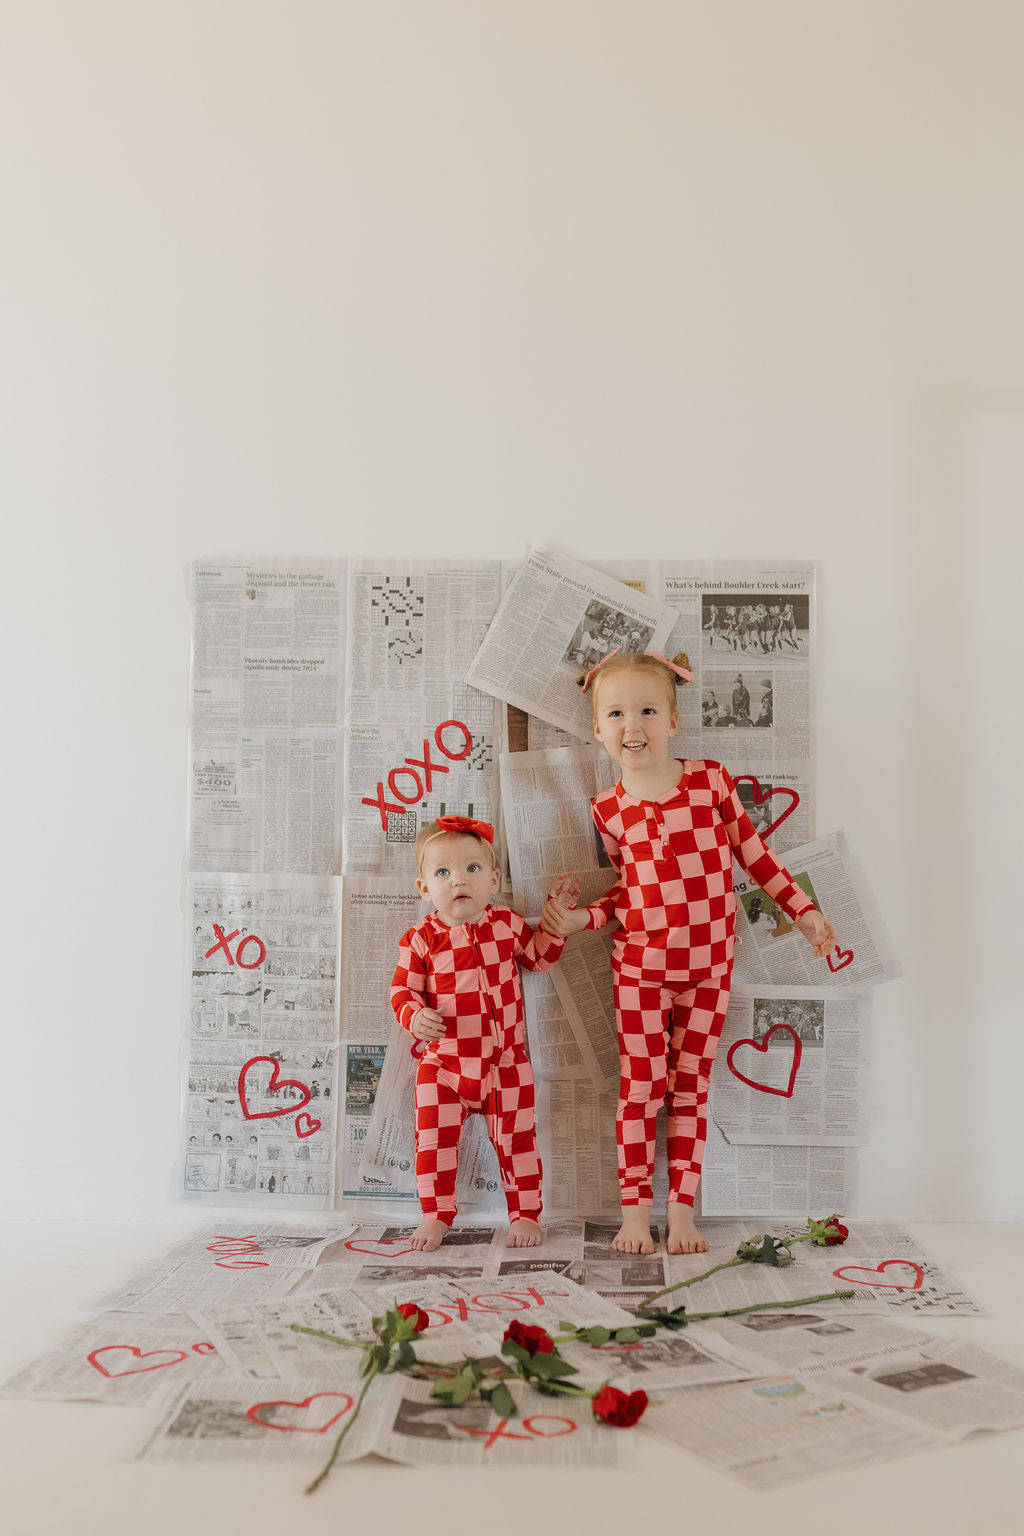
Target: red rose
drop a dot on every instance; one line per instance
(835, 1233)
(619, 1408)
(410, 1309)
(534, 1340)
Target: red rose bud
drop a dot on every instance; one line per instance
(534, 1340)
(409, 1309)
(835, 1233)
(619, 1408)
(828, 1232)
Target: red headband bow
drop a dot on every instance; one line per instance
(466, 824)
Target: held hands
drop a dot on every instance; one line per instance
(560, 916)
(428, 1025)
(818, 932)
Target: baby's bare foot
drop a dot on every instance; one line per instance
(634, 1236)
(523, 1233)
(429, 1234)
(683, 1236)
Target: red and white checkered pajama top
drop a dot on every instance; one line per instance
(674, 895)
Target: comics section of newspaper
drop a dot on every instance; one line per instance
(268, 667)
(261, 1040)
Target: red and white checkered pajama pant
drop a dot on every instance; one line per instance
(667, 1042)
(505, 1097)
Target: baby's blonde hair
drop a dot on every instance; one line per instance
(633, 661)
(430, 830)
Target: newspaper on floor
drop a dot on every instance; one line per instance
(268, 646)
(379, 1243)
(891, 1271)
(779, 1429)
(420, 741)
(545, 799)
(556, 620)
(538, 1297)
(117, 1357)
(773, 1181)
(260, 1340)
(772, 950)
(224, 1261)
(261, 1040)
(791, 1070)
(812, 1338)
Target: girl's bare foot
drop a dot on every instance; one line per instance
(683, 1236)
(523, 1233)
(634, 1236)
(428, 1235)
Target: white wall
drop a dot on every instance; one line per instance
(432, 275)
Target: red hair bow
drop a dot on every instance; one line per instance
(467, 824)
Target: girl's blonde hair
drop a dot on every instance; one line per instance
(634, 661)
(431, 829)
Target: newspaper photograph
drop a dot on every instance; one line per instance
(265, 691)
(791, 1070)
(261, 1039)
(556, 620)
(118, 1358)
(773, 1181)
(773, 951)
(779, 1429)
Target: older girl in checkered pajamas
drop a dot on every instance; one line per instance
(456, 988)
(671, 829)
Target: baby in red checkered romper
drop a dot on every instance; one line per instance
(671, 830)
(457, 988)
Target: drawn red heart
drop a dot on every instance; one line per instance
(253, 1413)
(204, 1349)
(276, 1081)
(850, 1270)
(139, 1354)
(843, 957)
(378, 1247)
(762, 1046)
(311, 1126)
(761, 795)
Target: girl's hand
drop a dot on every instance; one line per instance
(818, 932)
(566, 891)
(555, 919)
(428, 1024)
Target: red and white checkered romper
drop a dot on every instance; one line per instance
(471, 976)
(672, 957)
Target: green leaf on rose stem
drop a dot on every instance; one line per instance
(463, 1387)
(443, 1388)
(381, 1354)
(503, 1403)
(366, 1363)
(406, 1355)
(597, 1335)
(626, 1335)
(565, 1327)
(675, 1319)
(547, 1367)
(516, 1351)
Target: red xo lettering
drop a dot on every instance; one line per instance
(224, 943)
(407, 771)
(233, 1251)
(531, 1425)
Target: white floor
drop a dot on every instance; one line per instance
(67, 1467)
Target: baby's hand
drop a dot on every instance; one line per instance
(557, 920)
(818, 932)
(566, 891)
(428, 1024)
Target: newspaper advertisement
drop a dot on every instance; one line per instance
(548, 824)
(772, 950)
(378, 909)
(792, 1070)
(265, 765)
(773, 1181)
(261, 1039)
(420, 741)
(556, 620)
(117, 1357)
